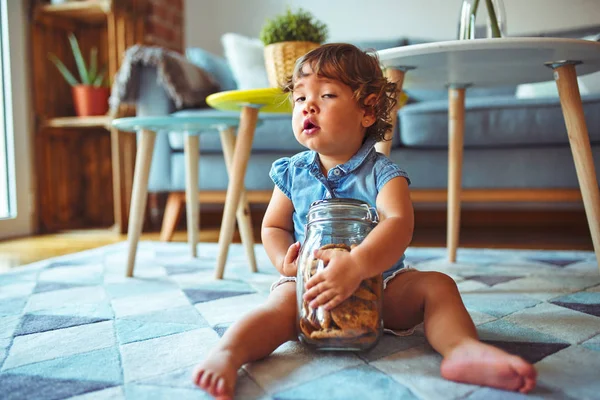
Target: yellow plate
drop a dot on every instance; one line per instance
(267, 100)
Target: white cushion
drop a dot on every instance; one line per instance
(544, 89)
(246, 59)
(588, 84)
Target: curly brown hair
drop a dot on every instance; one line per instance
(358, 69)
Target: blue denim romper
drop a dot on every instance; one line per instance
(300, 178)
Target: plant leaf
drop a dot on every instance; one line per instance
(79, 60)
(93, 64)
(493, 19)
(63, 70)
(98, 80)
(293, 26)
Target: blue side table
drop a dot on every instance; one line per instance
(191, 127)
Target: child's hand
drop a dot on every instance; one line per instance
(334, 284)
(290, 262)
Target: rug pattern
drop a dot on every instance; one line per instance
(75, 327)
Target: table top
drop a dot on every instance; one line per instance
(189, 124)
(488, 62)
(267, 100)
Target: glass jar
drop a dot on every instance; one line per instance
(356, 323)
(469, 26)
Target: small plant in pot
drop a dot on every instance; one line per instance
(90, 95)
(286, 38)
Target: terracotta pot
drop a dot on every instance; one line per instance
(90, 100)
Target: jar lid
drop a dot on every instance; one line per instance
(341, 209)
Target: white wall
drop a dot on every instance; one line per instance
(207, 20)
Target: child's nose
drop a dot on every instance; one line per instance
(309, 107)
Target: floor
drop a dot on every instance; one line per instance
(76, 326)
(428, 233)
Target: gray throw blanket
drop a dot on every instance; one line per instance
(186, 84)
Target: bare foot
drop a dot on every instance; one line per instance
(217, 375)
(482, 364)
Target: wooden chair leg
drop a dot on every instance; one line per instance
(579, 139)
(244, 219)
(171, 218)
(243, 146)
(456, 132)
(192, 154)
(140, 193)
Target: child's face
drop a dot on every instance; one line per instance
(326, 117)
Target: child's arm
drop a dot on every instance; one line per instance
(384, 246)
(379, 251)
(277, 233)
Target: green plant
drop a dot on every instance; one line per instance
(293, 26)
(493, 18)
(91, 76)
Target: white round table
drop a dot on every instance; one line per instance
(460, 64)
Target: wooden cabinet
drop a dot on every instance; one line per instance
(83, 168)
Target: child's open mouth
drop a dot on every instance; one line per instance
(310, 127)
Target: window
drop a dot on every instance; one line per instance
(4, 186)
(16, 199)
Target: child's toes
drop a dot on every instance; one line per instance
(206, 380)
(220, 387)
(197, 376)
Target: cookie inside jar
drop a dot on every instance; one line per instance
(355, 324)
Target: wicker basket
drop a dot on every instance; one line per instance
(281, 57)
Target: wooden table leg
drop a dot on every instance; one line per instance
(171, 217)
(244, 219)
(385, 147)
(241, 155)
(115, 157)
(570, 100)
(456, 131)
(140, 193)
(191, 154)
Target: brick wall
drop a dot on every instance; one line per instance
(165, 24)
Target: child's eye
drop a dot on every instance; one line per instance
(329, 96)
(299, 99)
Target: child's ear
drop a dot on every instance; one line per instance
(369, 117)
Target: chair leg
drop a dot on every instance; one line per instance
(579, 139)
(139, 195)
(244, 219)
(191, 155)
(456, 132)
(171, 217)
(241, 155)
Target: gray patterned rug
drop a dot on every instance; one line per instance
(75, 327)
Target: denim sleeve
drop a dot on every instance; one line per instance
(281, 177)
(388, 170)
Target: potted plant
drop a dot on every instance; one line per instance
(286, 38)
(495, 22)
(90, 95)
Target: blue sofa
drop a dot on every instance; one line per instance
(510, 143)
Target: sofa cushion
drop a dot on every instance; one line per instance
(548, 167)
(416, 95)
(274, 132)
(215, 65)
(246, 59)
(493, 168)
(495, 121)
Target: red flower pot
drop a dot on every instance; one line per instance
(90, 100)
